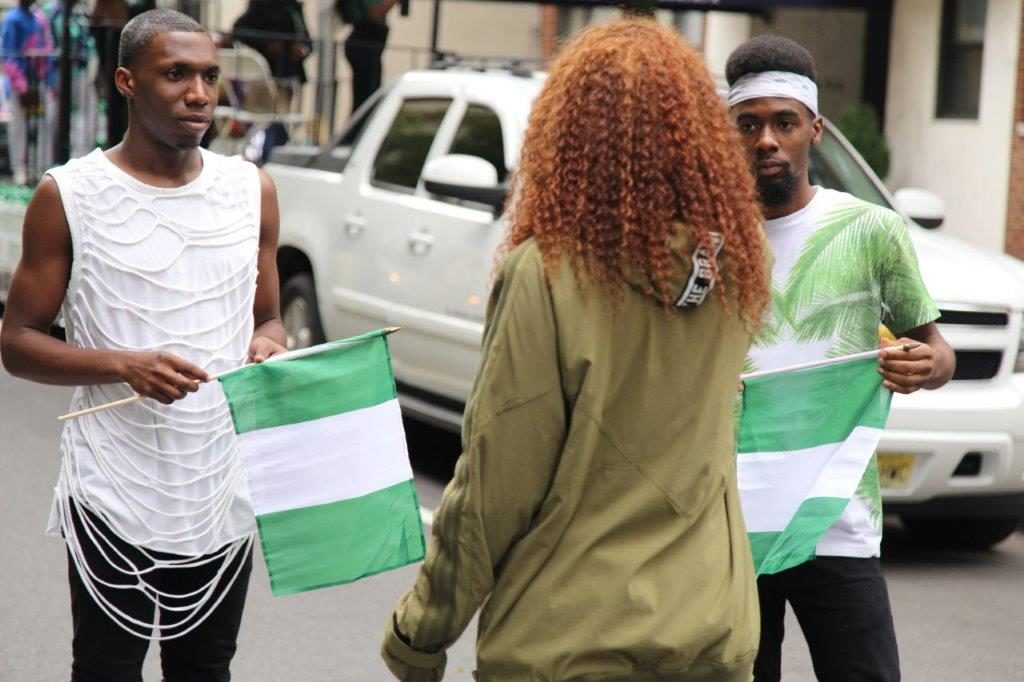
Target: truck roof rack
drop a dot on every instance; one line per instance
(516, 66)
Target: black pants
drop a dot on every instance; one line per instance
(364, 48)
(842, 605)
(103, 652)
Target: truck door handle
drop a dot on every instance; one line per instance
(354, 225)
(420, 243)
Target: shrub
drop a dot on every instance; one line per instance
(861, 127)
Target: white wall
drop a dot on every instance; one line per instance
(723, 33)
(967, 163)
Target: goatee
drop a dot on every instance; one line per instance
(778, 190)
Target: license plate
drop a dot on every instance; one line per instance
(894, 469)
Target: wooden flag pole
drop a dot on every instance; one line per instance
(135, 398)
(100, 408)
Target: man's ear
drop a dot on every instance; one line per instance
(125, 82)
(818, 126)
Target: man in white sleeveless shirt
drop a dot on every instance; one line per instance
(161, 257)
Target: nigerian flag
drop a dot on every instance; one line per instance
(805, 439)
(326, 459)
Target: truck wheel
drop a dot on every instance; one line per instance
(961, 533)
(299, 312)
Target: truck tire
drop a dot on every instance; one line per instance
(961, 533)
(299, 312)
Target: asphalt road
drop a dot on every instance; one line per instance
(959, 615)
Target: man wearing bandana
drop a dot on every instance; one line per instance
(842, 268)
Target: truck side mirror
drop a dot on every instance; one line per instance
(924, 208)
(461, 176)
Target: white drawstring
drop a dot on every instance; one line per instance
(152, 631)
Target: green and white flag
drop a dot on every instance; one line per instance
(805, 439)
(327, 463)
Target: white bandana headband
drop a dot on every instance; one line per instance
(775, 84)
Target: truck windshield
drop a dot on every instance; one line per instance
(832, 166)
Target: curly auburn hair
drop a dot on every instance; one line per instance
(628, 148)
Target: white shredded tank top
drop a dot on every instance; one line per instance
(169, 269)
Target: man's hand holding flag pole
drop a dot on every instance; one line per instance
(321, 435)
(253, 358)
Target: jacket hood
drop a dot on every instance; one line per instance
(692, 274)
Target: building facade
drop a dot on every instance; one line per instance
(950, 119)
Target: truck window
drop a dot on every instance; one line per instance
(479, 134)
(832, 166)
(405, 148)
(335, 157)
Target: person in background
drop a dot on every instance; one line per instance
(594, 512)
(277, 30)
(83, 55)
(364, 45)
(27, 46)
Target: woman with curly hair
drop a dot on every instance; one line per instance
(594, 511)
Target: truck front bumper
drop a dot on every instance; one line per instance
(958, 451)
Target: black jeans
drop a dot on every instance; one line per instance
(364, 48)
(103, 652)
(842, 605)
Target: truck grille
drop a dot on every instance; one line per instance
(977, 364)
(978, 318)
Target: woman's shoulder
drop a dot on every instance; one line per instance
(521, 261)
(523, 252)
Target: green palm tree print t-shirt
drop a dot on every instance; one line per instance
(842, 267)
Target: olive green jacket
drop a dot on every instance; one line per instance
(594, 514)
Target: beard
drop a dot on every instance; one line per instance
(778, 190)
